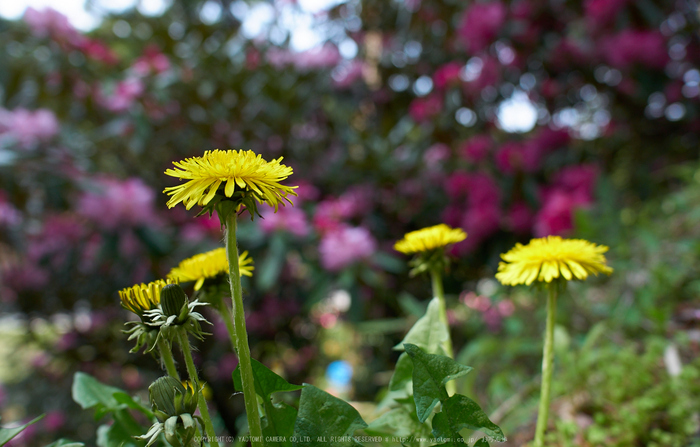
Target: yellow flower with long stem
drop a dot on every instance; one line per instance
(429, 244)
(209, 265)
(225, 181)
(551, 261)
(226, 173)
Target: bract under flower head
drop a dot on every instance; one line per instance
(208, 265)
(142, 297)
(430, 238)
(238, 171)
(552, 257)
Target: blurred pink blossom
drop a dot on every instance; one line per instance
(480, 222)
(476, 148)
(578, 180)
(457, 184)
(27, 127)
(49, 23)
(118, 203)
(97, 51)
(330, 213)
(152, 61)
(556, 215)
(288, 218)
(519, 218)
(9, 215)
(436, 155)
(122, 96)
(423, 109)
(516, 156)
(447, 74)
(488, 75)
(54, 421)
(481, 23)
(630, 47)
(600, 13)
(344, 246)
(314, 59)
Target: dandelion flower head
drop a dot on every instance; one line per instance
(552, 257)
(236, 171)
(430, 238)
(208, 265)
(142, 297)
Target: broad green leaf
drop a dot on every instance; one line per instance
(65, 443)
(429, 332)
(8, 433)
(460, 412)
(121, 432)
(323, 417)
(396, 422)
(430, 374)
(88, 392)
(402, 373)
(132, 403)
(280, 419)
(481, 443)
(266, 381)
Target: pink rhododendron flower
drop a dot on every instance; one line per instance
(518, 156)
(50, 23)
(344, 246)
(481, 23)
(123, 96)
(447, 75)
(476, 148)
(28, 128)
(288, 218)
(152, 61)
(579, 180)
(602, 12)
(630, 47)
(556, 215)
(519, 218)
(488, 75)
(457, 184)
(57, 237)
(479, 222)
(119, 203)
(54, 421)
(9, 215)
(435, 155)
(97, 51)
(423, 109)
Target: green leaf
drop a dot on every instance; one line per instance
(280, 418)
(88, 392)
(130, 402)
(429, 333)
(266, 381)
(269, 270)
(65, 443)
(321, 417)
(430, 374)
(8, 433)
(403, 371)
(396, 422)
(460, 412)
(481, 443)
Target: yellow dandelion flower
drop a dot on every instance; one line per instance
(208, 265)
(549, 258)
(236, 170)
(429, 239)
(142, 297)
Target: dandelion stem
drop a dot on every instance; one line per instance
(194, 377)
(167, 356)
(547, 363)
(439, 292)
(241, 336)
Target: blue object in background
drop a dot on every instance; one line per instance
(339, 373)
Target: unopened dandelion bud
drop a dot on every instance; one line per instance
(172, 299)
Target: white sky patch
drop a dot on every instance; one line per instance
(73, 9)
(517, 113)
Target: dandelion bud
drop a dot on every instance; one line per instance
(172, 298)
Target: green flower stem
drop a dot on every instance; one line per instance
(241, 336)
(167, 356)
(194, 377)
(439, 292)
(547, 363)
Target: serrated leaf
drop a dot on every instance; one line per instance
(403, 372)
(461, 412)
(322, 416)
(8, 433)
(396, 422)
(88, 392)
(266, 381)
(429, 333)
(65, 443)
(430, 374)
